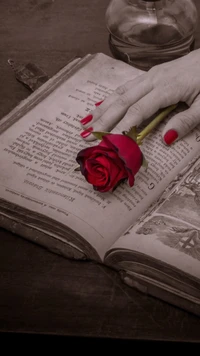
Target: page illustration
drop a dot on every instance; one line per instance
(177, 221)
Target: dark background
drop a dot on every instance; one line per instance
(42, 293)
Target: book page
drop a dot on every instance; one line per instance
(170, 233)
(38, 159)
(39, 150)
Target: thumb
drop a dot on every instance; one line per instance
(182, 123)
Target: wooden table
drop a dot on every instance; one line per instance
(41, 292)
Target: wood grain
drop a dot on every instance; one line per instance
(41, 292)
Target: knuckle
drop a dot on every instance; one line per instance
(166, 87)
(101, 122)
(187, 121)
(135, 110)
(165, 96)
(168, 94)
(123, 101)
(121, 90)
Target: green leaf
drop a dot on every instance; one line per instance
(132, 133)
(144, 162)
(99, 134)
(77, 169)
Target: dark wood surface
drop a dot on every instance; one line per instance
(41, 292)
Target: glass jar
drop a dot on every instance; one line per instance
(144, 33)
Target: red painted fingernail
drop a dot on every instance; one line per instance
(99, 103)
(170, 137)
(86, 119)
(87, 132)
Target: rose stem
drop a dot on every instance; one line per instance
(154, 123)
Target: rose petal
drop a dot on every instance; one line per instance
(98, 181)
(115, 158)
(86, 153)
(116, 172)
(89, 151)
(96, 174)
(104, 165)
(131, 179)
(128, 150)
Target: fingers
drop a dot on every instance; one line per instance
(145, 108)
(113, 108)
(114, 97)
(129, 106)
(182, 123)
(138, 100)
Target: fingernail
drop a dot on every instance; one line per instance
(87, 132)
(86, 119)
(170, 137)
(99, 103)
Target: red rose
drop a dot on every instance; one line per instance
(115, 159)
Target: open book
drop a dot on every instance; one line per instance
(149, 233)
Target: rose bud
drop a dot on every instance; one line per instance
(115, 159)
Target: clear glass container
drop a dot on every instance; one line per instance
(144, 33)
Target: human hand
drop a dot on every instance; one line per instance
(138, 99)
